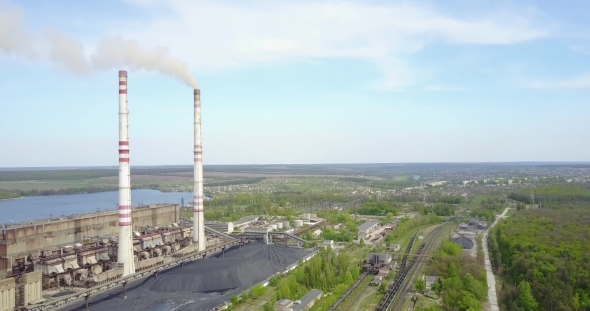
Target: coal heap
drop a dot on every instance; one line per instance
(203, 284)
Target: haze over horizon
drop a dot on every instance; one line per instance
(303, 82)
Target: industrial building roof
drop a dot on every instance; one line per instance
(368, 224)
(307, 299)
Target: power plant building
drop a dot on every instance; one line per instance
(224, 227)
(24, 243)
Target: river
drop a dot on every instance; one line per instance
(41, 207)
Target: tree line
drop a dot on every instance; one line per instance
(462, 281)
(542, 257)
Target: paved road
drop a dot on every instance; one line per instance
(493, 299)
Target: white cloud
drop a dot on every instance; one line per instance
(581, 82)
(219, 35)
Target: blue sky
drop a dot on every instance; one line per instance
(297, 81)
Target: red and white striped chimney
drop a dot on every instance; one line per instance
(125, 247)
(198, 218)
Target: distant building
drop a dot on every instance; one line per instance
(379, 259)
(256, 230)
(245, 221)
(283, 305)
(224, 227)
(327, 243)
(307, 301)
(463, 226)
(316, 234)
(430, 280)
(368, 227)
(308, 216)
(377, 280)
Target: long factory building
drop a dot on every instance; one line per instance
(24, 245)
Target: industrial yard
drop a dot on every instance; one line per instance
(202, 284)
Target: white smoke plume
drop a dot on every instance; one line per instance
(68, 53)
(14, 38)
(116, 52)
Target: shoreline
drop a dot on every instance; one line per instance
(12, 198)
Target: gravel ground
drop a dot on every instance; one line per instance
(200, 285)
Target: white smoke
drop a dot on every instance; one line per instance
(68, 53)
(14, 37)
(116, 52)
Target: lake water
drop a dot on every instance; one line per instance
(40, 207)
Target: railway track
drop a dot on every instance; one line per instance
(419, 261)
(411, 265)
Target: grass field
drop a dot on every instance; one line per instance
(54, 184)
(478, 199)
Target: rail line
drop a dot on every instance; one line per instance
(400, 282)
(341, 299)
(419, 261)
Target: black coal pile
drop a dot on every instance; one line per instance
(203, 284)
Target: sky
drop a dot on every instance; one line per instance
(295, 81)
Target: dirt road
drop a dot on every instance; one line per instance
(492, 297)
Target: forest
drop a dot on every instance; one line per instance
(6, 194)
(381, 208)
(542, 255)
(462, 282)
(326, 271)
(556, 196)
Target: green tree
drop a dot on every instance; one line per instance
(525, 297)
(245, 296)
(382, 288)
(269, 306)
(420, 285)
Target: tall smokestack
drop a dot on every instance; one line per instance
(198, 219)
(125, 250)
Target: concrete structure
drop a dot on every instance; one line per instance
(430, 280)
(298, 223)
(394, 247)
(316, 234)
(125, 250)
(245, 221)
(308, 216)
(198, 218)
(307, 301)
(286, 224)
(283, 305)
(224, 227)
(377, 280)
(327, 243)
(32, 290)
(463, 226)
(368, 227)
(22, 244)
(7, 294)
(379, 259)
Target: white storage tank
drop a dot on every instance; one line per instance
(286, 224)
(279, 225)
(273, 227)
(298, 223)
